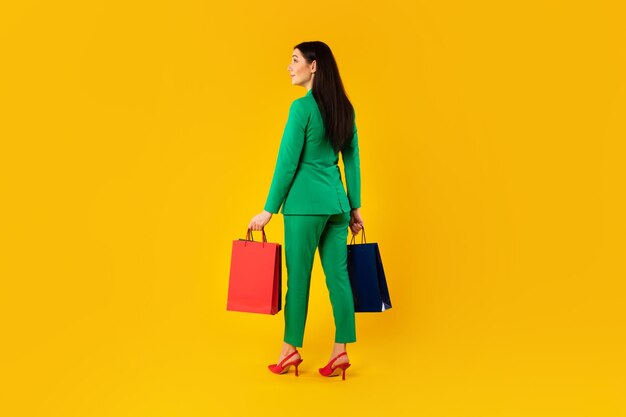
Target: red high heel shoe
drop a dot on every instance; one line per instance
(283, 367)
(329, 370)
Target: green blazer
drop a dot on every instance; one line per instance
(307, 179)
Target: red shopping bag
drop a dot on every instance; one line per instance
(255, 283)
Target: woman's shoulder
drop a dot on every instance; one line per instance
(304, 101)
(301, 107)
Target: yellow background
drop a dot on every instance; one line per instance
(139, 139)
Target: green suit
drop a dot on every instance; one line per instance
(316, 209)
(307, 177)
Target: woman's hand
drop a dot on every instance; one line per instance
(356, 221)
(260, 220)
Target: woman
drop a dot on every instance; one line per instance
(315, 207)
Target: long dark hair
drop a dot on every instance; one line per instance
(336, 110)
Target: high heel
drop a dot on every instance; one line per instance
(329, 370)
(283, 367)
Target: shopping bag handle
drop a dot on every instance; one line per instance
(250, 237)
(363, 240)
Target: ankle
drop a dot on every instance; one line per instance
(287, 349)
(339, 348)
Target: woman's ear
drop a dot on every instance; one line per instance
(313, 66)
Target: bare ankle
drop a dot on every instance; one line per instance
(287, 348)
(339, 348)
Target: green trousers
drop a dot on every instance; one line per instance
(303, 235)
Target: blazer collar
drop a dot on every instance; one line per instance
(308, 93)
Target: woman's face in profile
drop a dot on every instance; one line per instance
(299, 69)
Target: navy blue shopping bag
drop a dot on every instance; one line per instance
(367, 277)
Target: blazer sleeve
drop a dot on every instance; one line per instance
(352, 167)
(288, 156)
